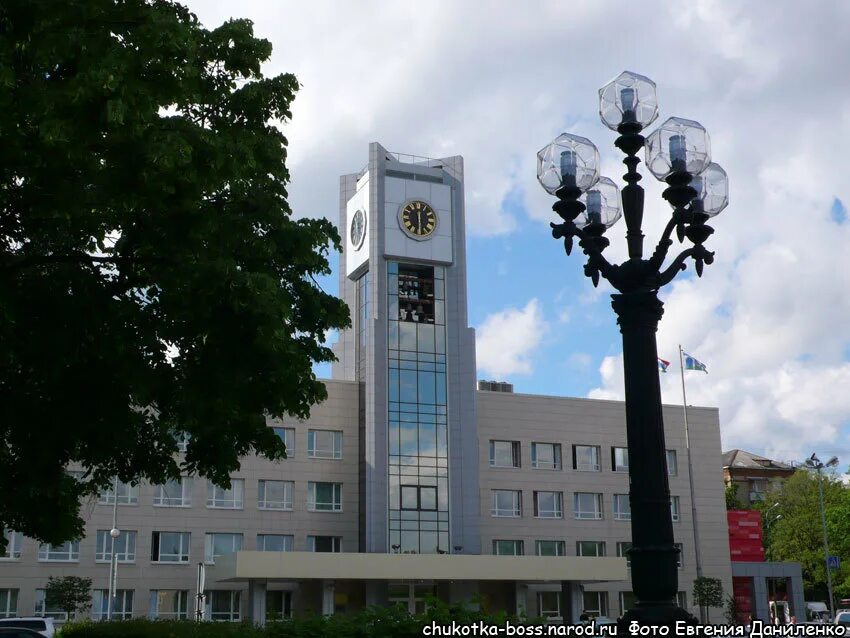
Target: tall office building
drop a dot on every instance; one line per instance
(409, 480)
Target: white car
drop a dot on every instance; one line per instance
(44, 626)
(842, 618)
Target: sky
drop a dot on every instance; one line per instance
(497, 81)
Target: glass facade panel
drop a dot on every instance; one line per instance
(417, 407)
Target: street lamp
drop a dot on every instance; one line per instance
(677, 152)
(814, 462)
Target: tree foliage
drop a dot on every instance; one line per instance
(731, 494)
(153, 280)
(798, 535)
(708, 592)
(71, 594)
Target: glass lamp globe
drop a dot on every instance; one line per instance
(602, 204)
(115, 532)
(628, 98)
(568, 161)
(712, 187)
(678, 145)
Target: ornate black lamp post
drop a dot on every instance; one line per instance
(677, 152)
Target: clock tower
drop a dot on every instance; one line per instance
(403, 275)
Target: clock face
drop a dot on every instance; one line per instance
(358, 229)
(418, 219)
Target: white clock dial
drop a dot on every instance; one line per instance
(358, 229)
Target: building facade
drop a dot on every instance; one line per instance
(414, 479)
(753, 475)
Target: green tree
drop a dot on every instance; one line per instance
(731, 494)
(798, 535)
(71, 594)
(153, 279)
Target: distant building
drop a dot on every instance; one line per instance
(752, 475)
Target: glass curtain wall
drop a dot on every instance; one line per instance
(418, 431)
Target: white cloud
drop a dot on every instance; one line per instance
(506, 340)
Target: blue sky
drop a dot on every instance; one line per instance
(495, 81)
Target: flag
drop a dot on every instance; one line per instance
(693, 364)
(662, 364)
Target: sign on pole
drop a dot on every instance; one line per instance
(834, 562)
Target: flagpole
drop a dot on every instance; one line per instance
(691, 475)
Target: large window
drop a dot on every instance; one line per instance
(623, 552)
(627, 601)
(620, 459)
(674, 508)
(504, 453)
(66, 552)
(324, 544)
(218, 544)
(506, 503)
(173, 493)
(274, 543)
(278, 605)
(324, 444)
(672, 463)
(595, 603)
(508, 548)
(550, 548)
(586, 458)
(226, 498)
(287, 435)
(622, 507)
(13, 545)
(324, 497)
(125, 546)
(8, 603)
(172, 604)
(127, 494)
(419, 497)
(590, 548)
(548, 505)
(170, 547)
(48, 611)
(587, 506)
(121, 610)
(274, 495)
(546, 456)
(549, 604)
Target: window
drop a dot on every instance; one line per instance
(218, 544)
(550, 548)
(169, 603)
(506, 503)
(587, 505)
(504, 453)
(680, 557)
(546, 456)
(672, 463)
(226, 498)
(274, 495)
(324, 497)
(419, 497)
(508, 548)
(674, 508)
(620, 459)
(622, 507)
(586, 458)
(590, 548)
(627, 601)
(182, 439)
(48, 611)
(173, 493)
(127, 494)
(278, 605)
(287, 435)
(324, 444)
(122, 609)
(682, 599)
(13, 546)
(125, 546)
(170, 547)
(549, 604)
(274, 542)
(623, 552)
(548, 505)
(324, 544)
(67, 551)
(8, 603)
(595, 603)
